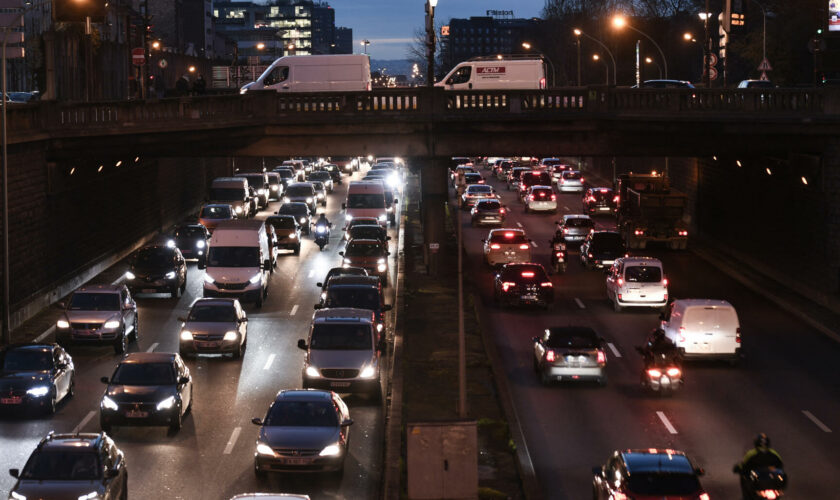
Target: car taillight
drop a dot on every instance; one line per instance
(546, 284)
(553, 197)
(481, 181)
(507, 285)
(705, 496)
(565, 230)
(615, 200)
(523, 246)
(653, 372)
(738, 335)
(495, 246)
(501, 210)
(771, 494)
(559, 254)
(620, 282)
(542, 82)
(664, 281)
(589, 255)
(602, 358)
(682, 334)
(531, 197)
(673, 372)
(638, 232)
(527, 274)
(619, 296)
(550, 356)
(683, 233)
(508, 234)
(581, 180)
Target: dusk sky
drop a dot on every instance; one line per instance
(390, 24)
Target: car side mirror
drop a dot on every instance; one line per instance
(302, 344)
(182, 319)
(319, 284)
(387, 307)
(256, 421)
(14, 472)
(341, 254)
(112, 473)
(347, 422)
(317, 306)
(183, 380)
(396, 201)
(104, 380)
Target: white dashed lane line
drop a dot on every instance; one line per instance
(519, 224)
(579, 303)
(294, 310)
(534, 244)
(152, 347)
(666, 422)
(816, 421)
(232, 441)
(614, 350)
(268, 362)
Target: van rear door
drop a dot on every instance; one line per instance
(700, 329)
(726, 322)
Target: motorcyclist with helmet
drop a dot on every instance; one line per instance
(322, 231)
(761, 456)
(660, 349)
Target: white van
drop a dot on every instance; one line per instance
(366, 199)
(704, 328)
(238, 261)
(492, 73)
(322, 73)
(637, 282)
(232, 191)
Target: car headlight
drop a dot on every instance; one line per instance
(109, 404)
(200, 244)
(348, 217)
(311, 371)
(62, 323)
(231, 335)
(347, 261)
(320, 195)
(261, 191)
(323, 295)
(264, 449)
(274, 188)
(256, 278)
(208, 279)
(302, 220)
(170, 243)
(110, 325)
(170, 275)
(129, 275)
(331, 450)
(293, 236)
(238, 210)
(382, 218)
(285, 199)
(308, 199)
(379, 327)
(382, 268)
(90, 496)
(186, 335)
(368, 372)
(166, 404)
(39, 391)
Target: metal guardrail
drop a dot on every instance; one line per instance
(26, 122)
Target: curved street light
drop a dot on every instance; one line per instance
(650, 60)
(527, 46)
(578, 33)
(620, 22)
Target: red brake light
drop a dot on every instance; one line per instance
(528, 274)
(615, 200)
(602, 358)
(553, 197)
(501, 210)
(581, 180)
(546, 284)
(509, 234)
(542, 194)
(495, 246)
(738, 335)
(531, 197)
(559, 254)
(507, 285)
(542, 82)
(638, 232)
(481, 181)
(705, 496)
(523, 246)
(550, 356)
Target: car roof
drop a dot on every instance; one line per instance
(300, 184)
(148, 357)
(294, 204)
(535, 187)
(214, 301)
(701, 302)
(76, 441)
(605, 231)
(353, 280)
(366, 226)
(284, 216)
(304, 395)
(216, 205)
(506, 229)
(654, 460)
(29, 347)
(104, 288)
(343, 315)
(362, 241)
(649, 261)
(576, 216)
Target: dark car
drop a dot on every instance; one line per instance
(98, 315)
(600, 200)
(650, 473)
(147, 388)
(601, 248)
(35, 376)
(338, 271)
(258, 181)
(157, 269)
(570, 353)
(359, 221)
(302, 192)
(303, 430)
(287, 175)
(368, 232)
(286, 231)
(372, 255)
(666, 84)
(301, 213)
(275, 186)
(488, 211)
(191, 240)
(533, 178)
(334, 171)
(523, 284)
(357, 292)
(88, 466)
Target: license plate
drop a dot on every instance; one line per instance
(529, 296)
(206, 344)
(296, 461)
(136, 414)
(604, 208)
(14, 400)
(148, 290)
(339, 384)
(86, 332)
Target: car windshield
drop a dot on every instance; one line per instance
(298, 191)
(363, 221)
(153, 257)
(189, 232)
(642, 274)
(607, 241)
(301, 414)
(579, 222)
(16, 360)
(363, 250)
(572, 338)
(95, 302)
(489, 205)
(663, 484)
(365, 200)
(358, 297)
(366, 232)
(542, 193)
(524, 273)
(233, 257)
(479, 189)
(319, 176)
(144, 374)
(256, 181)
(282, 222)
(344, 271)
(508, 237)
(601, 195)
(213, 313)
(535, 178)
(341, 338)
(285, 174)
(571, 175)
(62, 465)
(227, 194)
(298, 209)
(215, 213)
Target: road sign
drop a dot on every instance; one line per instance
(765, 65)
(138, 56)
(162, 64)
(764, 77)
(713, 73)
(714, 59)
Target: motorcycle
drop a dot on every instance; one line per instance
(322, 235)
(558, 256)
(760, 483)
(660, 374)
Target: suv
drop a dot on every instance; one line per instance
(600, 200)
(358, 292)
(98, 314)
(156, 269)
(301, 212)
(192, 240)
(35, 376)
(343, 352)
(214, 326)
(600, 249)
(533, 178)
(74, 465)
(637, 282)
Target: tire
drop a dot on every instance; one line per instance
(176, 425)
(135, 332)
(176, 292)
(184, 286)
(259, 302)
(121, 345)
(616, 307)
(545, 380)
(297, 250)
(124, 494)
(72, 390)
(50, 408)
(239, 352)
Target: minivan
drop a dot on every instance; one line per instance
(366, 199)
(232, 191)
(704, 328)
(637, 282)
(238, 261)
(258, 181)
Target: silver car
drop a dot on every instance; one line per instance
(214, 326)
(570, 353)
(302, 192)
(98, 314)
(570, 181)
(322, 176)
(575, 227)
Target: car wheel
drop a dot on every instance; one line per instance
(124, 494)
(237, 354)
(120, 345)
(135, 332)
(297, 250)
(544, 378)
(177, 423)
(184, 285)
(192, 398)
(259, 302)
(71, 391)
(616, 307)
(50, 408)
(176, 292)
(260, 474)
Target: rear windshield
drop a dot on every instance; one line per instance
(358, 297)
(301, 414)
(94, 302)
(524, 273)
(472, 177)
(213, 314)
(299, 191)
(62, 465)
(480, 189)
(601, 195)
(320, 176)
(709, 315)
(144, 374)
(572, 338)
(550, 163)
(341, 338)
(282, 222)
(509, 237)
(534, 178)
(489, 205)
(663, 484)
(364, 200)
(607, 240)
(642, 274)
(17, 360)
(363, 250)
(579, 222)
(571, 175)
(516, 173)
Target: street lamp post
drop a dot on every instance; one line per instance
(596, 57)
(578, 33)
(707, 46)
(527, 46)
(430, 42)
(621, 22)
(365, 44)
(763, 31)
(650, 60)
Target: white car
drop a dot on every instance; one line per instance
(637, 282)
(704, 328)
(540, 199)
(475, 192)
(506, 246)
(570, 181)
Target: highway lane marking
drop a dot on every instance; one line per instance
(614, 350)
(566, 208)
(816, 421)
(152, 347)
(119, 280)
(232, 441)
(268, 363)
(579, 303)
(666, 422)
(294, 310)
(84, 421)
(46, 334)
(519, 224)
(312, 273)
(534, 244)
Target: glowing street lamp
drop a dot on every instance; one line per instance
(620, 22)
(260, 46)
(579, 33)
(156, 45)
(597, 57)
(365, 44)
(650, 60)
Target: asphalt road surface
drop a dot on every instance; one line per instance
(787, 385)
(212, 457)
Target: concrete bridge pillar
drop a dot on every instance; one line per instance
(433, 196)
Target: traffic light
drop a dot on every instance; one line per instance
(75, 11)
